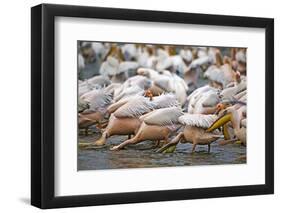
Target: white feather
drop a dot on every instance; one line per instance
(165, 100)
(164, 117)
(136, 107)
(198, 120)
(129, 91)
(98, 100)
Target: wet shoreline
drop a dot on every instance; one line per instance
(143, 155)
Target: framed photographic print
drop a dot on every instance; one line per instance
(139, 106)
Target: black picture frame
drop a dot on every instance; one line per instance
(43, 102)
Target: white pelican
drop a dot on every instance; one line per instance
(236, 118)
(186, 55)
(100, 49)
(116, 70)
(139, 80)
(166, 82)
(125, 119)
(97, 101)
(172, 83)
(192, 72)
(129, 51)
(194, 131)
(239, 60)
(230, 92)
(149, 73)
(146, 57)
(221, 76)
(203, 100)
(156, 125)
(164, 61)
(87, 52)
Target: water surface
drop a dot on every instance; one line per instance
(143, 155)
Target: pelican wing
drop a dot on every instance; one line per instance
(213, 73)
(99, 100)
(164, 116)
(198, 91)
(165, 100)
(211, 99)
(240, 95)
(163, 82)
(113, 107)
(134, 108)
(129, 92)
(139, 80)
(198, 120)
(99, 80)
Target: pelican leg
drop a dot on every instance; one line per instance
(86, 131)
(102, 139)
(209, 148)
(96, 144)
(129, 136)
(193, 147)
(125, 143)
(156, 144)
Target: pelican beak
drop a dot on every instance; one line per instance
(167, 149)
(225, 132)
(219, 122)
(170, 149)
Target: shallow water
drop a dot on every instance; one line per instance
(143, 155)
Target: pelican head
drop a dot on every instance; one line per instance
(226, 116)
(149, 94)
(224, 104)
(221, 106)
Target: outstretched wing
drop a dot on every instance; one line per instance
(99, 100)
(134, 108)
(198, 120)
(133, 90)
(164, 116)
(165, 100)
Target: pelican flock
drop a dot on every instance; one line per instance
(169, 95)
